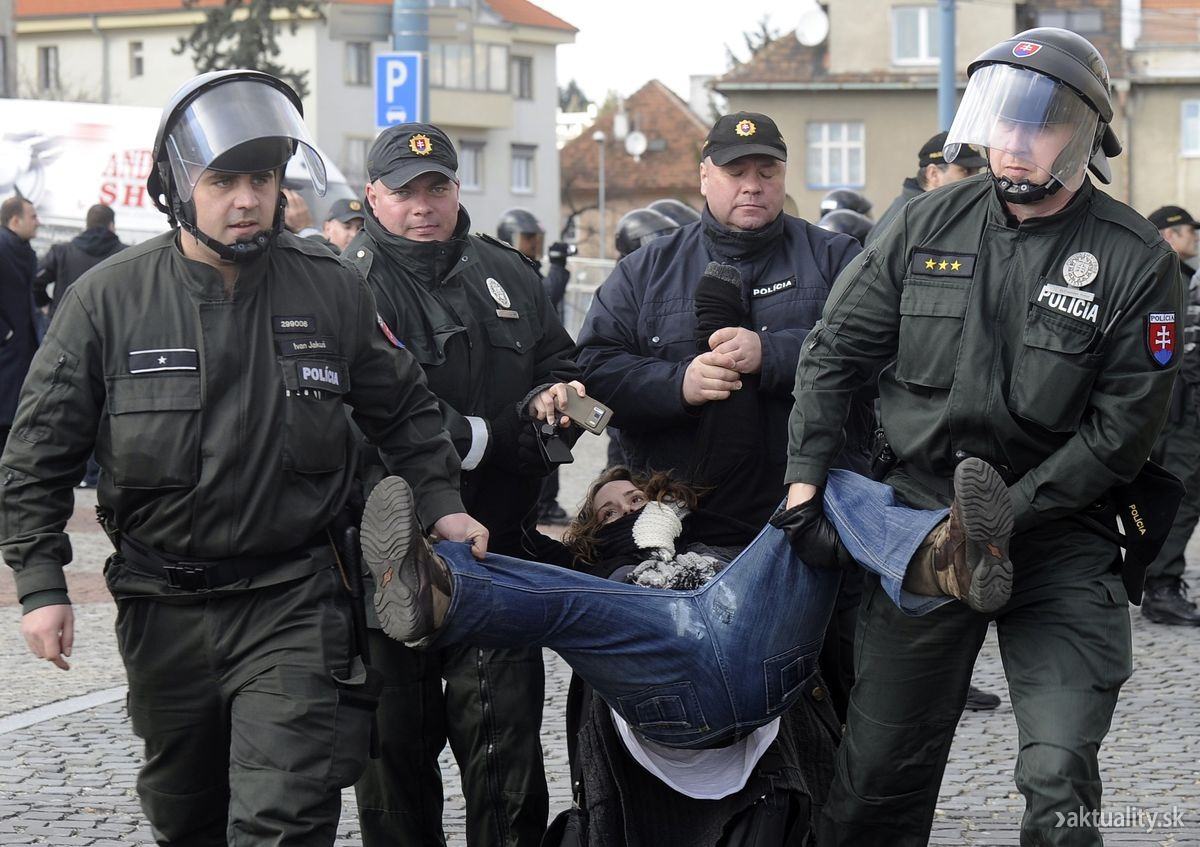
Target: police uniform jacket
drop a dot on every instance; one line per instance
(18, 324)
(1047, 348)
(472, 312)
(218, 422)
(639, 336)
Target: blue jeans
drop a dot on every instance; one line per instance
(688, 668)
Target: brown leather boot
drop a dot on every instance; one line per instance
(970, 548)
(412, 583)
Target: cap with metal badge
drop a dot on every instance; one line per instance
(1169, 216)
(403, 152)
(931, 154)
(346, 210)
(743, 134)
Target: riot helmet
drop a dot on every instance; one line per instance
(845, 198)
(235, 121)
(847, 221)
(1042, 99)
(676, 210)
(516, 222)
(640, 227)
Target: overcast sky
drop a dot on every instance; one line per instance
(623, 43)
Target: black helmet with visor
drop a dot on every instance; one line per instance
(236, 121)
(1042, 98)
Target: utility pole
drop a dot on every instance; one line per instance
(599, 137)
(410, 32)
(946, 75)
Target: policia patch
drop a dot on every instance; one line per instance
(936, 263)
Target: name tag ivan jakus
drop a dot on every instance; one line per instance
(1070, 301)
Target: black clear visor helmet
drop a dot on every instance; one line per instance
(241, 126)
(1031, 120)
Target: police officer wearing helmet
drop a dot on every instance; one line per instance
(933, 171)
(847, 221)
(473, 312)
(845, 198)
(521, 229)
(210, 368)
(1069, 304)
(639, 227)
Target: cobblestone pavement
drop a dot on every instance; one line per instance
(68, 761)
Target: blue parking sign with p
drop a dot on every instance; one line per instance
(397, 88)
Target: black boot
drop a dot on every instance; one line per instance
(1167, 602)
(979, 700)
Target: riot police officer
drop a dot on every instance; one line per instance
(210, 368)
(845, 198)
(639, 227)
(1026, 318)
(473, 312)
(678, 211)
(521, 229)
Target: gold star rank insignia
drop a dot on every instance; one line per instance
(745, 128)
(943, 265)
(929, 264)
(420, 144)
(955, 265)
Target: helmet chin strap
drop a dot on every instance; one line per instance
(240, 251)
(1025, 191)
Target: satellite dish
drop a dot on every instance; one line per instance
(636, 144)
(813, 26)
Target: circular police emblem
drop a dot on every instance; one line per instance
(420, 144)
(1080, 269)
(745, 128)
(498, 293)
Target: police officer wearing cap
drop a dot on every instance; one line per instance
(344, 221)
(1178, 447)
(210, 369)
(639, 343)
(473, 312)
(1024, 317)
(933, 171)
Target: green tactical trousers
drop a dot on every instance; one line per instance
(252, 717)
(1178, 450)
(1066, 647)
(491, 713)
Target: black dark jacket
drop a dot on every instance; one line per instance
(446, 303)
(18, 325)
(65, 263)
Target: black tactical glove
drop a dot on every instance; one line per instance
(513, 445)
(813, 536)
(558, 253)
(718, 302)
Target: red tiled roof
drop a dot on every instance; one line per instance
(514, 11)
(663, 116)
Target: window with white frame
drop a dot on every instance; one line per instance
(137, 59)
(916, 34)
(479, 66)
(522, 77)
(354, 159)
(1189, 140)
(470, 165)
(522, 169)
(836, 155)
(1084, 21)
(48, 68)
(358, 63)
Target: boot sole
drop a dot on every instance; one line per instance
(390, 530)
(986, 511)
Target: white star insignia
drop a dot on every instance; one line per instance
(162, 360)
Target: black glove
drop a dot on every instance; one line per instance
(558, 253)
(513, 445)
(718, 302)
(813, 536)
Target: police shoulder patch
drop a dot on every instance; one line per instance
(1161, 336)
(929, 262)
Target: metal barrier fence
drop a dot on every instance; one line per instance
(586, 277)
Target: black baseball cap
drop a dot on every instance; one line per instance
(346, 210)
(1169, 216)
(931, 154)
(405, 151)
(743, 134)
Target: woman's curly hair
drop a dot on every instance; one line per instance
(580, 535)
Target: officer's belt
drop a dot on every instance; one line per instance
(206, 574)
(944, 485)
